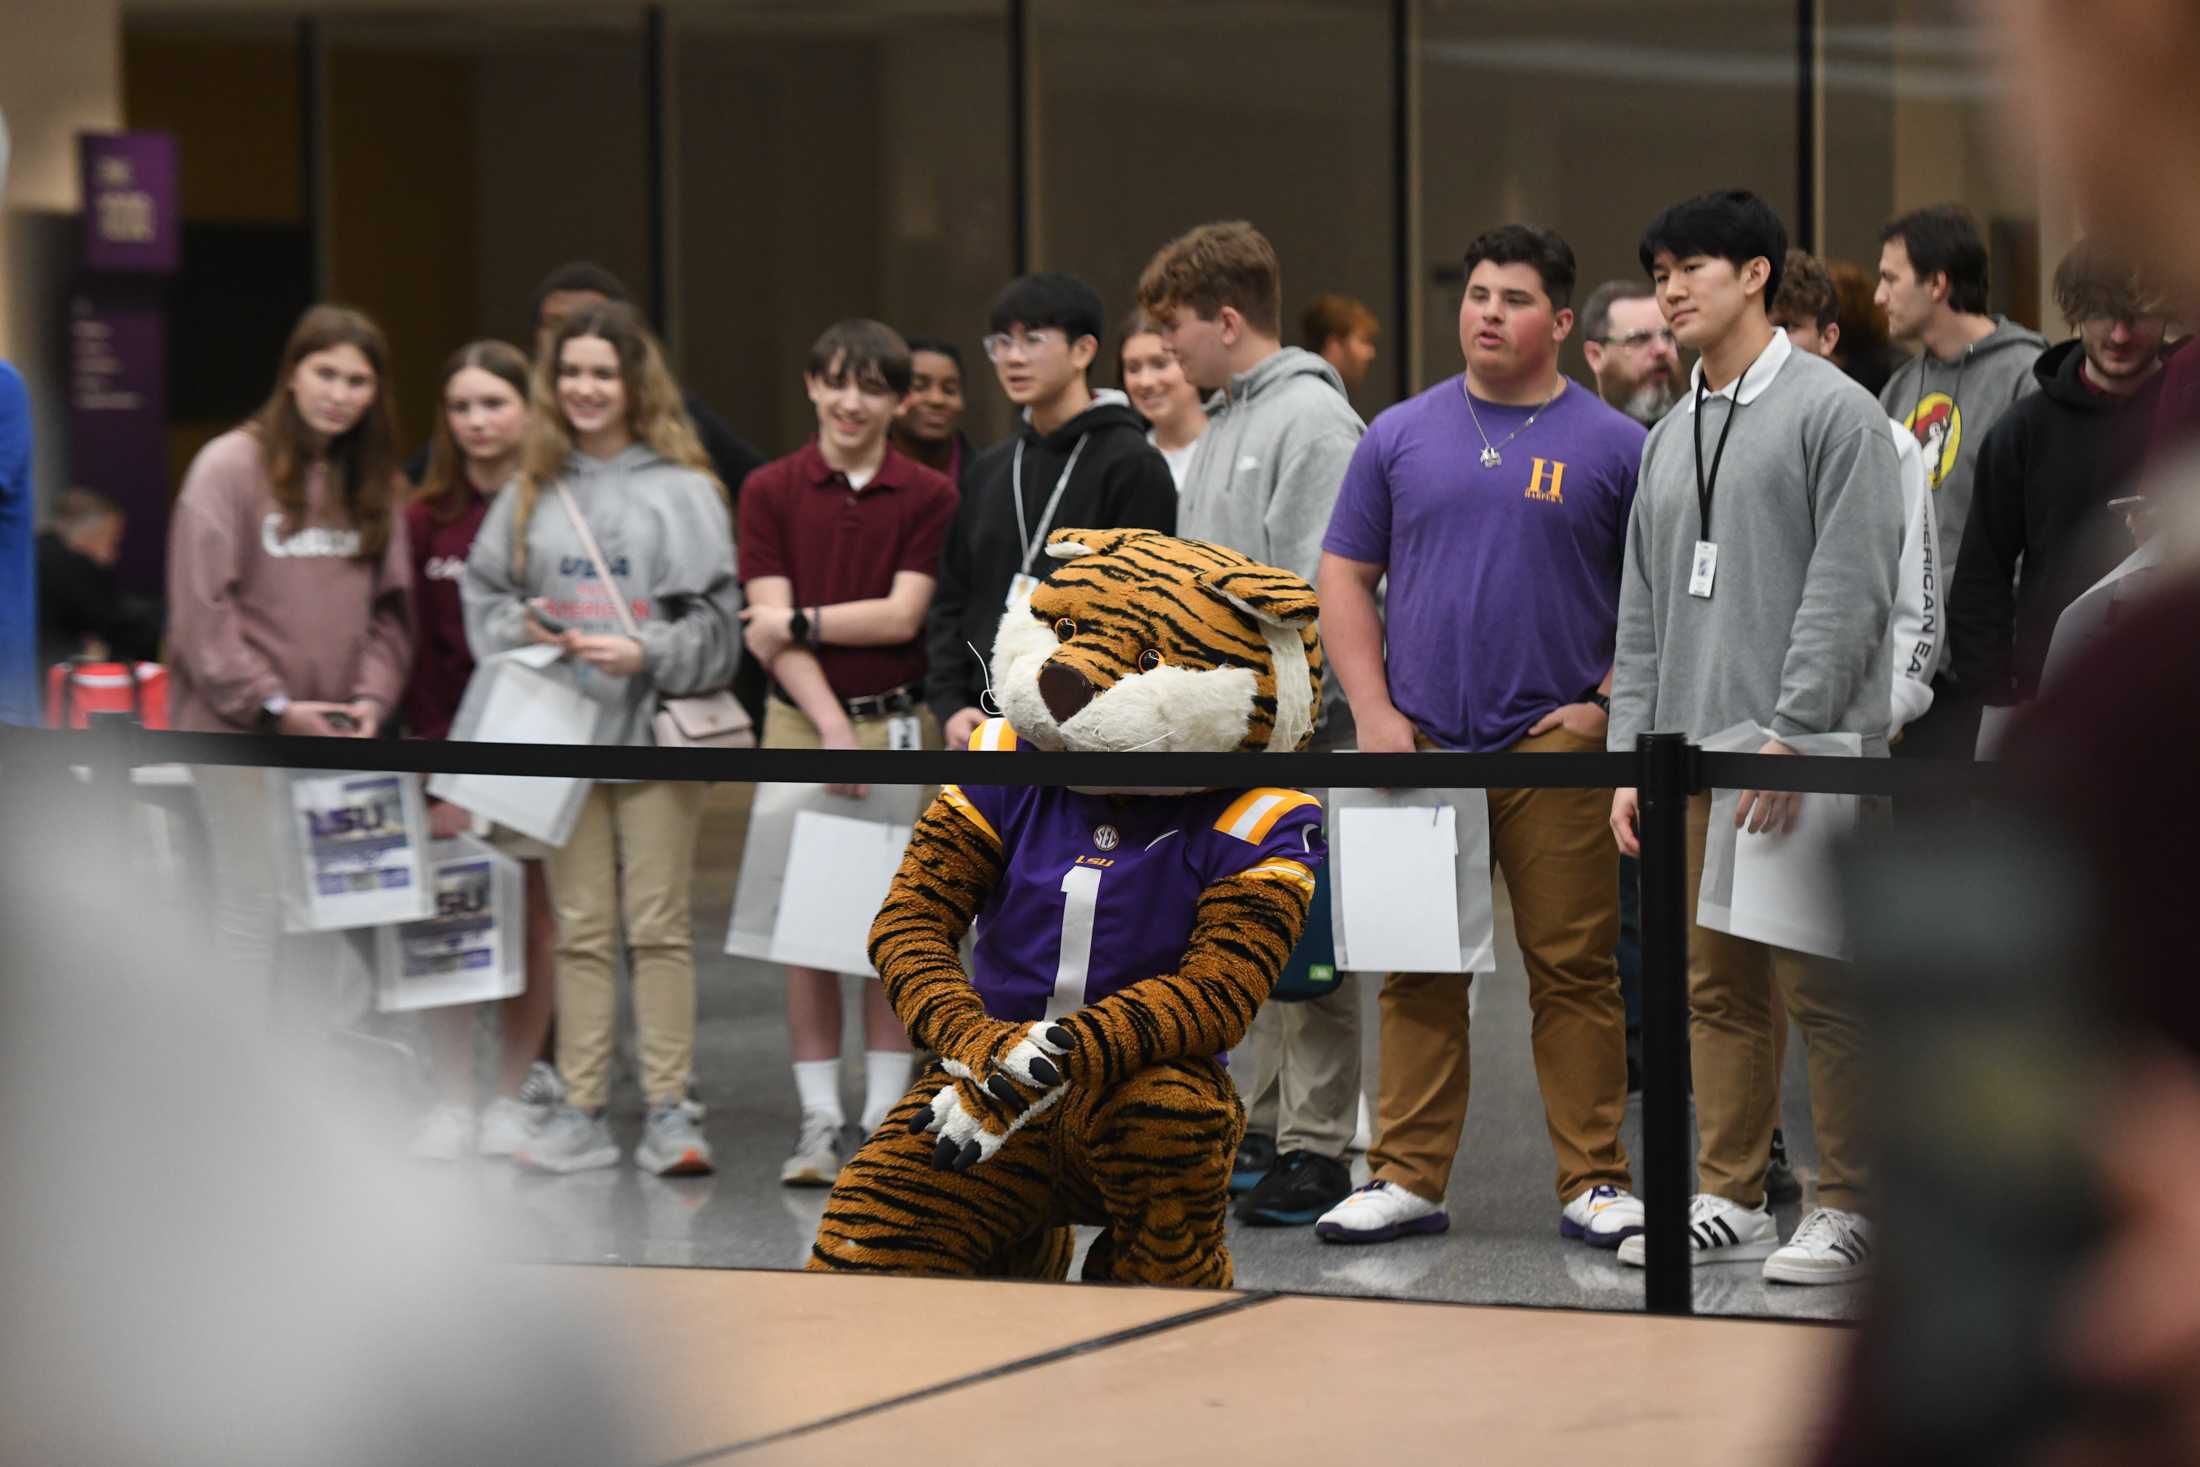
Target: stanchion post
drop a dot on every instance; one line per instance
(1667, 778)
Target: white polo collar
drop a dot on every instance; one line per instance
(1755, 378)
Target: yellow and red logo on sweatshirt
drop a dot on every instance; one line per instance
(1938, 424)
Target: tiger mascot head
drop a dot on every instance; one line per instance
(1144, 642)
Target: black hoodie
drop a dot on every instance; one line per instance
(2045, 475)
(1121, 482)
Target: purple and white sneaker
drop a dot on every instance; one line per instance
(1378, 1212)
(1604, 1216)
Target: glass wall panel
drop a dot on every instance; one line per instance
(834, 160)
(1911, 108)
(1588, 117)
(1152, 116)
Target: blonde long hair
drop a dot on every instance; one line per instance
(654, 412)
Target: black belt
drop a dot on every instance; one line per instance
(905, 699)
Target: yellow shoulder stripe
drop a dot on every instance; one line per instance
(960, 804)
(1282, 870)
(1254, 814)
(992, 736)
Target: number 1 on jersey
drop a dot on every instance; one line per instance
(1080, 900)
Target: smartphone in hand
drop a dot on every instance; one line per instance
(545, 620)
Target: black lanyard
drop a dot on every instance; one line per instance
(1706, 487)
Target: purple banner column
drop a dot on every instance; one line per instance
(118, 417)
(132, 222)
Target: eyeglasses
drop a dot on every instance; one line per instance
(1637, 340)
(1023, 343)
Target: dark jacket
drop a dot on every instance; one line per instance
(79, 600)
(2045, 475)
(1121, 481)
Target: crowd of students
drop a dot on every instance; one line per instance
(1508, 560)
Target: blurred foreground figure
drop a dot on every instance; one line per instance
(204, 1259)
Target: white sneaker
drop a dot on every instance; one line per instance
(1378, 1212)
(1831, 1247)
(816, 1159)
(572, 1140)
(1719, 1231)
(542, 1091)
(505, 1126)
(672, 1144)
(1605, 1216)
(446, 1135)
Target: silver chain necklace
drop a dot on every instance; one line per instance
(1491, 458)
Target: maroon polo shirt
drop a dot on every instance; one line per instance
(800, 518)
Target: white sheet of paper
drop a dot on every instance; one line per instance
(1993, 727)
(838, 873)
(526, 710)
(1787, 886)
(470, 951)
(356, 842)
(1401, 903)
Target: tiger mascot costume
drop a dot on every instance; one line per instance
(1124, 940)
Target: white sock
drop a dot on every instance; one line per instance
(818, 1083)
(885, 1081)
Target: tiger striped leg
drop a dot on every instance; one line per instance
(1158, 1148)
(893, 1211)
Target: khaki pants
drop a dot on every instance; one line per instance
(630, 861)
(788, 727)
(1299, 1065)
(1555, 848)
(1735, 990)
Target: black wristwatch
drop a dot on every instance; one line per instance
(798, 627)
(1602, 702)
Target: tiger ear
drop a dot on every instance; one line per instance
(1275, 597)
(1070, 544)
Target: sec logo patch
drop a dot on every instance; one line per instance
(1107, 837)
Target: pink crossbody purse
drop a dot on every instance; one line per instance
(698, 721)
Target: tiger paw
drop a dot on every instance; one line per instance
(973, 1120)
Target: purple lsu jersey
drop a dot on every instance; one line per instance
(1100, 892)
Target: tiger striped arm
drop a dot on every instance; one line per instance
(947, 873)
(1243, 935)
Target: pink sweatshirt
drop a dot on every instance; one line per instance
(254, 612)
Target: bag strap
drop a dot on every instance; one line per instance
(595, 558)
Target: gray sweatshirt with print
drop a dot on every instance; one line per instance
(664, 533)
(1807, 517)
(1952, 406)
(1265, 475)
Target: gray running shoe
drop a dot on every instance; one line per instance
(672, 1144)
(816, 1159)
(572, 1140)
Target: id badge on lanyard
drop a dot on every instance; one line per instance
(903, 732)
(1024, 582)
(1706, 567)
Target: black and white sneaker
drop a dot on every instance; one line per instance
(1719, 1231)
(1831, 1247)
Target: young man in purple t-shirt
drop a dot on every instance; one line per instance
(1497, 504)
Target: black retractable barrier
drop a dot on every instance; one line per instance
(1667, 780)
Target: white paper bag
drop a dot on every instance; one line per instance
(1405, 867)
(1993, 727)
(516, 698)
(351, 849)
(838, 873)
(831, 917)
(2092, 616)
(474, 949)
(1778, 889)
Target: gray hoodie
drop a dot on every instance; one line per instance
(1265, 475)
(1951, 406)
(664, 532)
